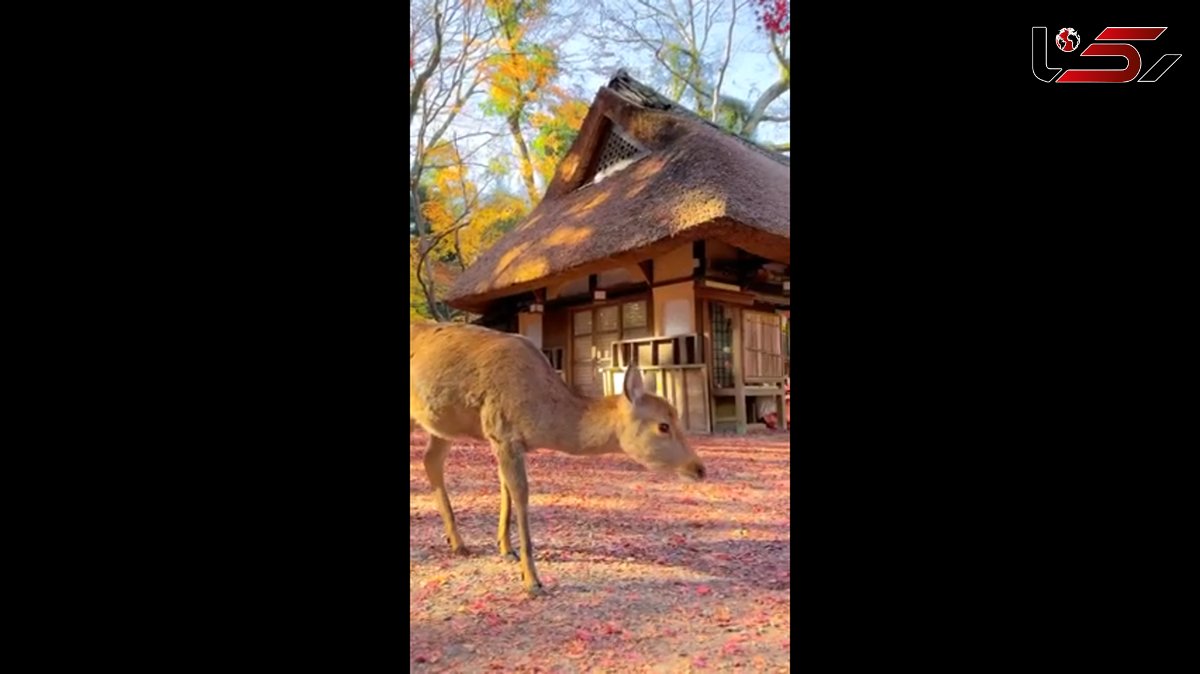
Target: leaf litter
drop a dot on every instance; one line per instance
(644, 572)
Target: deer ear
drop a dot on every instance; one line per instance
(635, 388)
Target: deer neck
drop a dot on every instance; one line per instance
(590, 427)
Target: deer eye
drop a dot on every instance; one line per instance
(664, 428)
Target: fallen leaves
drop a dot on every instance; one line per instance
(647, 572)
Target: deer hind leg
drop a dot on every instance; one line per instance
(511, 457)
(435, 463)
(505, 519)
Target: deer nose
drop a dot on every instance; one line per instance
(697, 469)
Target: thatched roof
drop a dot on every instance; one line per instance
(696, 181)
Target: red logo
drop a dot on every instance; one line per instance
(1067, 39)
(1113, 41)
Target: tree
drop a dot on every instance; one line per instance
(496, 57)
(461, 219)
(448, 42)
(540, 116)
(691, 45)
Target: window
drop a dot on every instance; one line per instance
(594, 331)
(722, 332)
(634, 320)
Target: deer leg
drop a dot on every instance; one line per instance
(435, 463)
(505, 509)
(511, 457)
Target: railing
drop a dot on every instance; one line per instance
(651, 351)
(684, 386)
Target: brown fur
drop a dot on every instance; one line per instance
(471, 382)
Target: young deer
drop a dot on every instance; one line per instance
(468, 381)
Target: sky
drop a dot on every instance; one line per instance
(587, 66)
(750, 69)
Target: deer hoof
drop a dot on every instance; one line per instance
(510, 556)
(535, 590)
(461, 551)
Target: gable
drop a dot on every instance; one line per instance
(617, 151)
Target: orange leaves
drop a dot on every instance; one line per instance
(573, 112)
(437, 214)
(515, 78)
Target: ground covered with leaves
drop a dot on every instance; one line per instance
(643, 572)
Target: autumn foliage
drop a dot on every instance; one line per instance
(774, 15)
(480, 57)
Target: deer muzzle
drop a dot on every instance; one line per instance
(693, 470)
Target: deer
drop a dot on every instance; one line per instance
(468, 381)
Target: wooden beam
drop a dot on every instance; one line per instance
(739, 384)
(745, 299)
(647, 267)
(772, 300)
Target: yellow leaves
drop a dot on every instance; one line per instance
(573, 112)
(450, 177)
(437, 215)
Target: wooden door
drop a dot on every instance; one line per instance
(763, 340)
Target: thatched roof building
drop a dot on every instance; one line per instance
(679, 230)
(688, 180)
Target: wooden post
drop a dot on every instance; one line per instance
(739, 383)
(706, 357)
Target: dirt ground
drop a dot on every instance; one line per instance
(643, 572)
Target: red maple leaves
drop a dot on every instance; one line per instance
(643, 570)
(774, 15)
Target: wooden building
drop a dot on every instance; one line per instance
(663, 240)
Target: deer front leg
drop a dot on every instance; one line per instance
(435, 464)
(502, 536)
(511, 457)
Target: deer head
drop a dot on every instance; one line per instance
(650, 432)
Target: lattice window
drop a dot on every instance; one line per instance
(722, 336)
(617, 148)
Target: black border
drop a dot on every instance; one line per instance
(978, 477)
